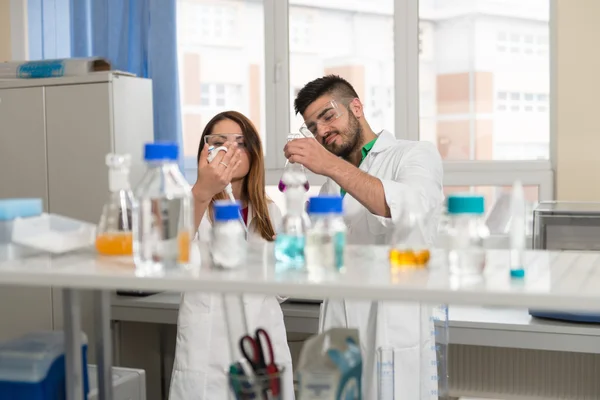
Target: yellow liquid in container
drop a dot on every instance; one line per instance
(115, 244)
(183, 240)
(409, 258)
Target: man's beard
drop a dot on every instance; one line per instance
(353, 134)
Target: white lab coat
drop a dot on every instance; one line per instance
(411, 173)
(202, 352)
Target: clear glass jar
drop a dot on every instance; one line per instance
(229, 247)
(326, 239)
(466, 234)
(163, 216)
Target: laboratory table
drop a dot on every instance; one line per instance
(555, 280)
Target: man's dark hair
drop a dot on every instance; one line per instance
(330, 84)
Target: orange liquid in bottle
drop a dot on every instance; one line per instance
(409, 258)
(183, 240)
(115, 244)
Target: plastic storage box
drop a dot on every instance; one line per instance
(53, 233)
(10, 210)
(32, 367)
(559, 225)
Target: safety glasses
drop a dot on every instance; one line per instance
(221, 139)
(325, 116)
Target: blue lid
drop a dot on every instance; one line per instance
(161, 151)
(325, 204)
(19, 208)
(465, 203)
(226, 210)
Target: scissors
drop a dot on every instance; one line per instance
(256, 357)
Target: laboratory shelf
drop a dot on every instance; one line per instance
(555, 280)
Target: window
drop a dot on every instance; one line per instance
(473, 76)
(475, 113)
(221, 65)
(352, 40)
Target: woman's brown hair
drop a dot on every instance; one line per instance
(253, 188)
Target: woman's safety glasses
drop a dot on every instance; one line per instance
(218, 140)
(324, 117)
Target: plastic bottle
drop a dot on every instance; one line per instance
(517, 231)
(163, 213)
(291, 235)
(114, 235)
(326, 239)
(466, 234)
(294, 169)
(229, 247)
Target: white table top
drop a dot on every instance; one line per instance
(561, 281)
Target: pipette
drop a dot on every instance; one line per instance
(517, 231)
(212, 153)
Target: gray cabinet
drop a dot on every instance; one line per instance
(54, 135)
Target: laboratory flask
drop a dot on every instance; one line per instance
(291, 235)
(163, 213)
(293, 171)
(406, 371)
(409, 248)
(114, 234)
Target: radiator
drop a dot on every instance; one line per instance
(505, 373)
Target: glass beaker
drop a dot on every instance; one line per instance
(114, 235)
(293, 172)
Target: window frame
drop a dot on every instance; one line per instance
(406, 94)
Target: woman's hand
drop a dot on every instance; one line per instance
(214, 176)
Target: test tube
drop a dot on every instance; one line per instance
(385, 373)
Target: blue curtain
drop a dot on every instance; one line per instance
(137, 36)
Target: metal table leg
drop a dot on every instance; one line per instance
(72, 328)
(103, 344)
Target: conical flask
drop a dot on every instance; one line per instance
(293, 172)
(114, 235)
(410, 247)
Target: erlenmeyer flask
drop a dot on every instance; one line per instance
(409, 246)
(114, 236)
(293, 172)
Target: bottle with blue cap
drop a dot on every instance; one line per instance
(162, 213)
(326, 239)
(229, 247)
(467, 232)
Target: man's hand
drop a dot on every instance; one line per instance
(311, 154)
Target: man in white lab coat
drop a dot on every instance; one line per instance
(379, 177)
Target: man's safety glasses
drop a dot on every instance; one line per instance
(221, 139)
(325, 116)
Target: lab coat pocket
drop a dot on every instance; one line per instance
(407, 382)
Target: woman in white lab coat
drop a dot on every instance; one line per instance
(202, 352)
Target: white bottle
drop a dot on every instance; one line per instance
(229, 247)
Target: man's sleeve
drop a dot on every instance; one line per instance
(417, 183)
